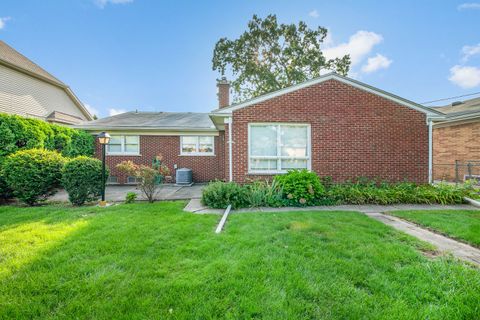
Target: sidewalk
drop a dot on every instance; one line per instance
(195, 206)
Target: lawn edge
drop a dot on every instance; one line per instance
(439, 232)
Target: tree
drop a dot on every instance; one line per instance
(271, 56)
(149, 178)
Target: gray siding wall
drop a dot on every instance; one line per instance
(27, 96)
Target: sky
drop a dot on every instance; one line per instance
(146, 55)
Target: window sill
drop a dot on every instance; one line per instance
(197, 155)
(122, 155)
(266, 173)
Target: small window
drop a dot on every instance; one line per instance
(197, 145)
(133, 180)
(123, 145)
(112, 179)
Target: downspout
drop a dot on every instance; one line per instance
(230, 161)
(430, 151)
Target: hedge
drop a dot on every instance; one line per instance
(18, 133)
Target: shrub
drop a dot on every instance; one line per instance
(130, 197)
(220, 194)
(34, 174)
(300, 187)
(82, 179)
(372, 193)
(5, 191)
(263, 193)
(149, 177)
(18, 133)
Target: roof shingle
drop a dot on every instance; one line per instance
(153, 120)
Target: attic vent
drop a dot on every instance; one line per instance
(184, 176)
(456, 103)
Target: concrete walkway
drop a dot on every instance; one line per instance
(196, 206)
(117, 193)
(443, 244)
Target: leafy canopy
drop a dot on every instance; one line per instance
(271, 56)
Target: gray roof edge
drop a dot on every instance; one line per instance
(144, 128)
(325, 77)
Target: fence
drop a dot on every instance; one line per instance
(458, 172)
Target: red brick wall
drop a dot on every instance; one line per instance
(204, 168)
(354, 133)
(455, 142)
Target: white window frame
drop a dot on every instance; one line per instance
(123, 152)
(279, 157)
(197, 153)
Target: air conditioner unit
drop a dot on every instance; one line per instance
(184, 177)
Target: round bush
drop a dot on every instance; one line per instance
(82, 179)
(301, 187)
(33, 174)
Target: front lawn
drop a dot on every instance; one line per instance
(147, 261)
(460, 224)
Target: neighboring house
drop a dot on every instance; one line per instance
(456, 139)
(28, 90)
(333, 125)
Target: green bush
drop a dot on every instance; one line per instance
(301, 187)
(82, 179)
(5, 191)
(130, 197)
(18, 133)
(34, 174)
(263, 194)
(220, 194)
(373, 193)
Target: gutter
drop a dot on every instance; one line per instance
(430, 151)
(230, 127)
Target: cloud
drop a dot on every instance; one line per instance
(92, 110)
(3, 22)
(465, 76)
(376, 63)
(469, 6)
(358, 46)
(469, 51)
(103, 3)
(314, 14)
(114, 112)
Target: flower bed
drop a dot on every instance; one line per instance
(304, 188)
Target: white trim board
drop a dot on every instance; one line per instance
(329, 76)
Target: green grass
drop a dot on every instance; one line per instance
(459, 224)
(153, 261)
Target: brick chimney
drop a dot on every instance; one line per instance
(223, 94)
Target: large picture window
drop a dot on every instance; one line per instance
(276, 148)
(197, 145)
(123, 145)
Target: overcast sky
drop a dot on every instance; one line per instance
(121, 55)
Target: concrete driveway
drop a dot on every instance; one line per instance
(166, 192)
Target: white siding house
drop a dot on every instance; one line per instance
(29, 91)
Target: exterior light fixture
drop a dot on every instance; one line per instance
(103, 139)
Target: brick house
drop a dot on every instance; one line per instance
(456, 139)
(333, 125)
